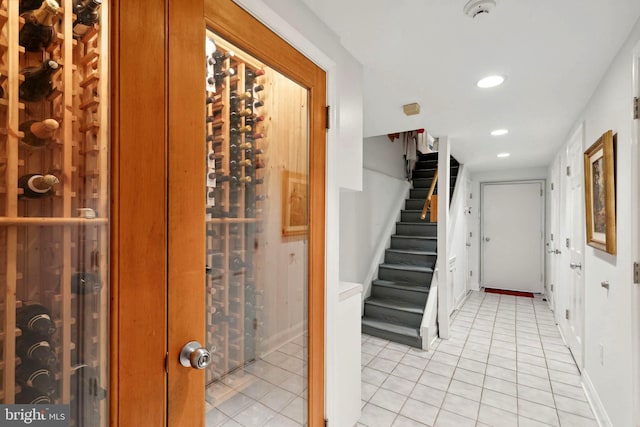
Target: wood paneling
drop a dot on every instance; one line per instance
(187, 163)
(138, 212)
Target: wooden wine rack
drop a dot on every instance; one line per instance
(234, 216)
(46, 243)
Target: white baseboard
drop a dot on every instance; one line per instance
(462, 299)
(594, 401)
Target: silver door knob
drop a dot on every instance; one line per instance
(487, 239)
(194, 355)
(557, 252)
(575, 265)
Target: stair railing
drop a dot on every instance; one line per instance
(428, 200)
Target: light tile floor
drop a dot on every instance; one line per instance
(271, 392)
(505, 364)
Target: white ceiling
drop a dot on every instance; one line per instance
(554, 53)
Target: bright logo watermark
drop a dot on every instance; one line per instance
(34, 415)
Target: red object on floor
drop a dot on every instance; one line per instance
(505, 292)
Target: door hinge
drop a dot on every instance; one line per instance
(327, 109)
(541, 192)
(552, 237)
(552, 186)
(470, 196)
(470, 273)
(566, 314)
(326, 423)
(166, 362)
(636, 108)
(568, 170)
(551, 288)
(636, 272)
(568, 243)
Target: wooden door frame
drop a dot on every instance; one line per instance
(149, 122)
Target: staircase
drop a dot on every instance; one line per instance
(398, 296)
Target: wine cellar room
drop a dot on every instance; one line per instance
(55, 225)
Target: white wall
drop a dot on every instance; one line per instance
(474, 218)
(608, 314)
(365, 217)
(294, 22)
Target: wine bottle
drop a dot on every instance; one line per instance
(37, 81)
(257, 135)
(258, 104)
(38, 134)
(34, 347)
(258, 88)
(235, 165)
(253, 119)
(241, 129)
(87, 15)
(37, 32)
(35, 318)
(240, 96)
(32, 396)
(27, 5)
(252, 74)
(234, 180)
(36, 186)
(213, 99)
(242, 113)
(219, 56)
(85, 282)
(32, 374)
(218, 78)
(250, 153)
(235, 148)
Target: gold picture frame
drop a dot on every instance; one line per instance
(295, 218)
(600, 194)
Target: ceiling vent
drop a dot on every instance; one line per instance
(479, 7)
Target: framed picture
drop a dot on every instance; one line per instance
(294, 203)
(600, 194)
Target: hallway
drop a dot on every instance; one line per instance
(505, 364)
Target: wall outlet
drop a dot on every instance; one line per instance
(601, 347)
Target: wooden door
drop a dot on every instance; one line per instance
(164, 221)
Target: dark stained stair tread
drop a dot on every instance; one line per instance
(412, 252)
(406, 286)
(395, 304)
(408, 267)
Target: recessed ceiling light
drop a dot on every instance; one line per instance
(502, 155)
(491, 81)
(499, 132)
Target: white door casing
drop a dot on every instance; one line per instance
(554, 244)
(635, 245)
(512, 232)
(571, 306)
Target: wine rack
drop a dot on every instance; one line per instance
(236, 141)
(54, 249)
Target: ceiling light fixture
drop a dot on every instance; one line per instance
(503, 155)
(475, 8)
(491, 81)
(499, 132)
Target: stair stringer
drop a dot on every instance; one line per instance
(429, 325)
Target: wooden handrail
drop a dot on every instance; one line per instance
(427, 201)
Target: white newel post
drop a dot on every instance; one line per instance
(444, 152)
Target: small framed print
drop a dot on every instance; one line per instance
(294, 204)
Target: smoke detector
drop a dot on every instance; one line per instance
(479, 7)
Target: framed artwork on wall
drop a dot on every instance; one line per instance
(600, 193)
(294, 204)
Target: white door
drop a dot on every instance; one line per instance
(468, 235)
(554, 244)
(571, 315)
(512, 236)
(635, 330)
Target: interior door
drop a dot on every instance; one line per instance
(572, 323)
(245, 223)
(512, 233)
(217, 220)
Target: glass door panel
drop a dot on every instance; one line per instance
(257, 139)
(54, 206)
